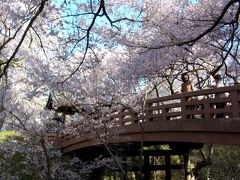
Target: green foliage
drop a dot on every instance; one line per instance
(226, 163)
(7, 135)
(13, 163)
(16, 166)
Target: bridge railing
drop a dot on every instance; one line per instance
(198, 105)
(203, 104)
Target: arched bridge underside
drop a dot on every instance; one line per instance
(210, 116)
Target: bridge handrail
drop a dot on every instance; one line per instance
(202, 106)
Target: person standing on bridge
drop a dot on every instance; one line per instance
(187, 86)
(218, 80)
(218, 83)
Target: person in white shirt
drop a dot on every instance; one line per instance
(218, 83)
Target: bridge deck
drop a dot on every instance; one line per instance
(186, 117)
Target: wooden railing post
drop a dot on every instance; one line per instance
(134, 117)
(148, 112)
(234, 103)
(121, 117)
(183, 108)
(206, 109)
(165, 111)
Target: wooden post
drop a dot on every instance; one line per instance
(168, 167)
(207, 109)
(134, 117)
(164, 113)
(183, 108)
(121, 117)
(234, 103)
(148, 112)
(147, 171)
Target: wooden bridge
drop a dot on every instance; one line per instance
(193, 117)
(183, 121)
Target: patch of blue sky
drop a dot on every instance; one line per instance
(122, 11)
(195, 1)
(72, 19)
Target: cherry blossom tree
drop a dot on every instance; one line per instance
(98, 56)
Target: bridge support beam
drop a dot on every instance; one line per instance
(168, 167)
(147, 172)
(153, 161)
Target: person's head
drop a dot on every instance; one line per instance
(185, 77)
(217, 77)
